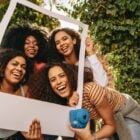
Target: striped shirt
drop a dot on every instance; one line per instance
(94, 94)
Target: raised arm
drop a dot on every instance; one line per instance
(100, 76)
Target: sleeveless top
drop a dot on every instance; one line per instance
(5, 133)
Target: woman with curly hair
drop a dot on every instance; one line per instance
(64, 46)
(14, 73)
(60, 81)
(30, 40)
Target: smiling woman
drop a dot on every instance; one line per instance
(58, 82)
(14, 73)
(32, 41)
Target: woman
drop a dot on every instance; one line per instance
(65, 47)
(100, 102)
(33, 42)
(14, 72)
(30, 40)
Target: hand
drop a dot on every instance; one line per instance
(89, 46)
(73, 100)
(83, 134)
(34, 131)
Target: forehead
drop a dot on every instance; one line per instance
(61, 34)
(31, 37)
(19, 59)
(55, 70)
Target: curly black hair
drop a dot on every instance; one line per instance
(15, 37)
(40, 88)
(6, 55)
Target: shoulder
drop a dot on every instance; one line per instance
(92, 86)
(95, 92)
(25, 90)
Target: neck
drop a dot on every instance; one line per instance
(72, 59)
(5, 87)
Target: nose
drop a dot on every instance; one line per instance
(31, 44)
(61, 43)
(19, 68)
(58, 80)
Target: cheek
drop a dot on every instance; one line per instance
(37, 48)
(52, 86)
(24, 72)
(58, 47)
(25, 49)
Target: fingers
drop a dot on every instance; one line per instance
(88, 41)
(35, 130)
(89, 46)
(73, 101)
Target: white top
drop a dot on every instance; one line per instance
(5, 133)
(98, 71)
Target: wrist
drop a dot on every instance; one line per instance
(94, 136)
(90, 53)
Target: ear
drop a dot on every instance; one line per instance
(74, 41)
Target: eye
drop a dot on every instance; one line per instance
(27, 42)
(52, 79)
(24, 67)
(14, 64)
(57, 42)
(62, 75)
(65, 38)
(35, 44)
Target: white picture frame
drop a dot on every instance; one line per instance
(23, 120)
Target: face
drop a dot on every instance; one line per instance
(64, 43)
(59, 81)
(15, 70)
(31, 46)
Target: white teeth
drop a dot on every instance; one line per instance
(61, 87)
(17, 74)
(31, 51)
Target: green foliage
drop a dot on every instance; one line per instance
(115, 26)
(3, 7)
(23, 14)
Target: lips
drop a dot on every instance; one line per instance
(31, 51)
(17, 75)
(61, 88)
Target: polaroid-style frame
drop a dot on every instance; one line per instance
(43, 110)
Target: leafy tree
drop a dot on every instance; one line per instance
(115, 26)
(24, 14)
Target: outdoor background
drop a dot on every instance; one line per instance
(114, 25)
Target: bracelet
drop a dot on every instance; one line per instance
(94, 136)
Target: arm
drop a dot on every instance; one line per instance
(106, 131)
(106, 114)
(98, 71)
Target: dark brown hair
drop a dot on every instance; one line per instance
(54, 54)
(40, 88)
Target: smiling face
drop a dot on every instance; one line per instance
(59, 81)
(15, 70)
(31, 46)
(64, 43)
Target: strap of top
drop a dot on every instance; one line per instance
(22, 91)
